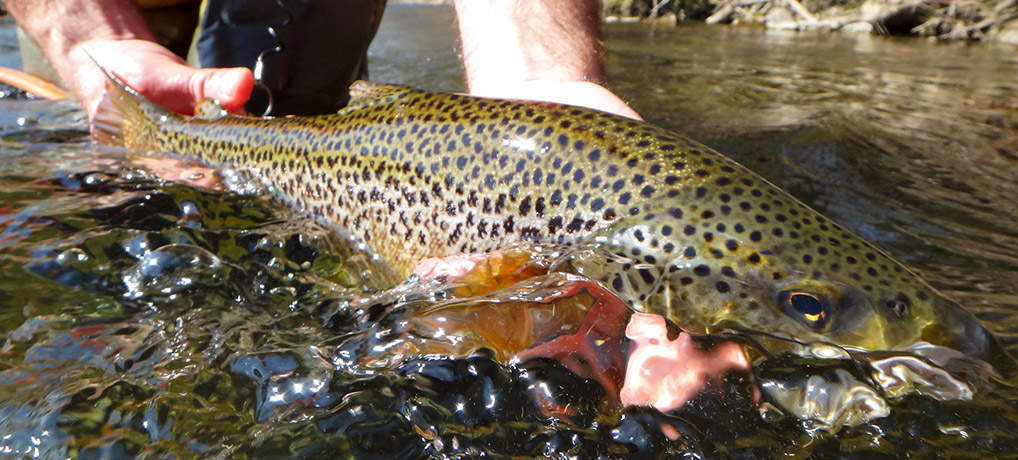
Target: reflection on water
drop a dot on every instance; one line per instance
(144, 317)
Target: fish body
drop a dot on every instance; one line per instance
(673, 226)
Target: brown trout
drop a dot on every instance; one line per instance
(674, 227)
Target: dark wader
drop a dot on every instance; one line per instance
(305, 53)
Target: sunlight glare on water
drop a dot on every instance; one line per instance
(141, 317)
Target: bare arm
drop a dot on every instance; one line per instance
(116, 34)
(536, 49)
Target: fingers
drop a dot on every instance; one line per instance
(231, 87)
(579, 93)
(164, 78)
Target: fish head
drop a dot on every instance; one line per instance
(796, 288)
(789, 274)
(857, 299)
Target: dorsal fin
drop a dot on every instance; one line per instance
(209, 109)
(364, 94)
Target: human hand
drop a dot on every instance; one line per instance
(157, 74)
(165, 79)
(580, 93)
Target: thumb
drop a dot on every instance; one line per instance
(231, 87)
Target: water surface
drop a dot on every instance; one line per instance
(141, 317)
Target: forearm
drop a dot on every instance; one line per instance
(515, 41)
(59, 26)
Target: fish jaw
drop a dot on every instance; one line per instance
(957, 329)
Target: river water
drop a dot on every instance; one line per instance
(145, 318)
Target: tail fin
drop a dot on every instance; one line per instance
(123, 115)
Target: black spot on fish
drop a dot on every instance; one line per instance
(554, 224)
(525, 206)
(556, 198)
(646, 275)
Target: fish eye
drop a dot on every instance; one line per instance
(808, 308)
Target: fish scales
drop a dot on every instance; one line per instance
(678, 228)
(427, 174)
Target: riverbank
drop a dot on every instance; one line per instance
(995, 20)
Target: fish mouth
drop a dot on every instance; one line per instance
(959, 330)
(960, 343)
